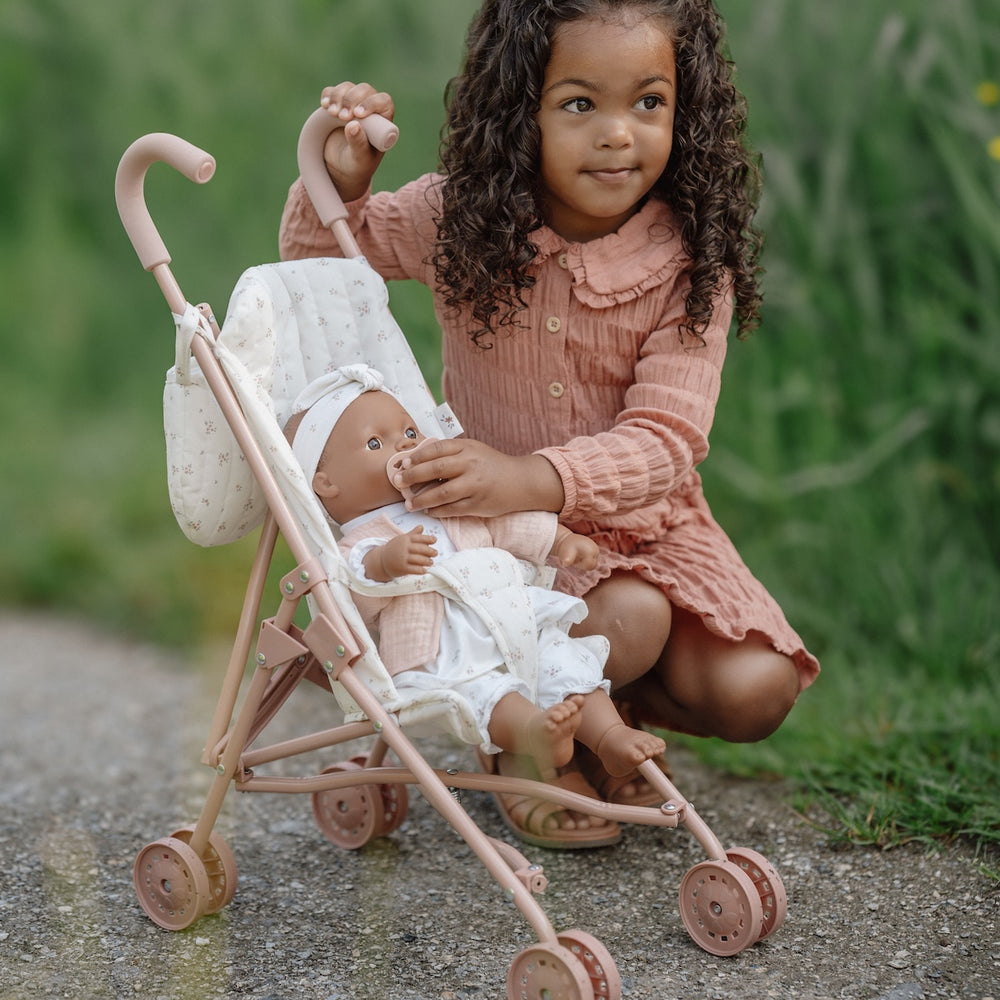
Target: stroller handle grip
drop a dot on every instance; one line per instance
(192, 162)
(382, 134)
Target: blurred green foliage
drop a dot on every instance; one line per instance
(856, 452)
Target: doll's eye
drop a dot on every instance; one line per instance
(411, 433)
(373, 444)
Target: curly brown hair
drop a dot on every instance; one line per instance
(490, 155)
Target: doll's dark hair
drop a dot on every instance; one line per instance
(490, 157)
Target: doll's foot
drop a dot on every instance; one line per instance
(550, 740)
(622, 749)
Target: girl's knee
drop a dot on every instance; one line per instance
(755, 695)
(635, 617)
(738, 691)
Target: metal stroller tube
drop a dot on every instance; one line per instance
(192, 162)
(382, 134)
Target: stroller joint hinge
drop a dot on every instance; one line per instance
(276, 647)
(530, 875)
(674, 809)
(302, 579)
(332, 648)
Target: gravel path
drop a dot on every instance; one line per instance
(99, 743)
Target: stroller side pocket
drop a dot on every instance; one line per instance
(213, 493)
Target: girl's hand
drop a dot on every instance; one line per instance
(460, 476)
(350, 159)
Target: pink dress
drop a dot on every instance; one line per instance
(601, 381)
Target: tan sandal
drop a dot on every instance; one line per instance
(610, 787)
(527, 816)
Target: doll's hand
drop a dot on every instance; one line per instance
(572, 549)
(469, 477)
(350, 159)
(403, 555)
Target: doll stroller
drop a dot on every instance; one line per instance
(230, 469)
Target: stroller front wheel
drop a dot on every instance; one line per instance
(171, 883)
(720, 907)
(220, 866)
(605, 980)
(770, 888)
(548, 970)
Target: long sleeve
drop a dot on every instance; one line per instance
(395, 230)
(660, 433)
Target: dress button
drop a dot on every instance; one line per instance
(553, 324)
(556, 389)
(563, 261)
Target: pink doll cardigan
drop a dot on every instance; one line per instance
(409, 625)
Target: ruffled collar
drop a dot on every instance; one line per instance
(645, 252)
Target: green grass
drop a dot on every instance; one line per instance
(856, 453)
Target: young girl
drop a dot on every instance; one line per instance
(588, 241)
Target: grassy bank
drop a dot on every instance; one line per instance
(856, 453)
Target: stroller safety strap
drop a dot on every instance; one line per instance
(189, 325)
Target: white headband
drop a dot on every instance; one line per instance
(326, 399)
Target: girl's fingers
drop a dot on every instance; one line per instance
(349, 100)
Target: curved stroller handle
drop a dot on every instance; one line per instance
(382, 134)
(192, 162)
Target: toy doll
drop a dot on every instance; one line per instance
(499, 642)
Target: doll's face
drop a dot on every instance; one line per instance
(351, 478)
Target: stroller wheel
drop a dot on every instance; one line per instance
(395, 806)
(770, 888)
(171, 883)
(395, 802)
(720, 907)
(349, 817)
(548, 970)
(220, 865)
(604, 978)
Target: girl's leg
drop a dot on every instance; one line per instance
(636, 617)
(685, 677)
(707, 685)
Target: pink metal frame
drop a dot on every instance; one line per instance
(285, 655)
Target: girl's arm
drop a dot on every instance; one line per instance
(396, 230)
(657, 437)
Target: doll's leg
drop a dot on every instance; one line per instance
(546, 735)
(620, 748)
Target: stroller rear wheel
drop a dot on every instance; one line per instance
(171, 883)
(349, 817)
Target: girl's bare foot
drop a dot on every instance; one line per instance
(622, 749)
